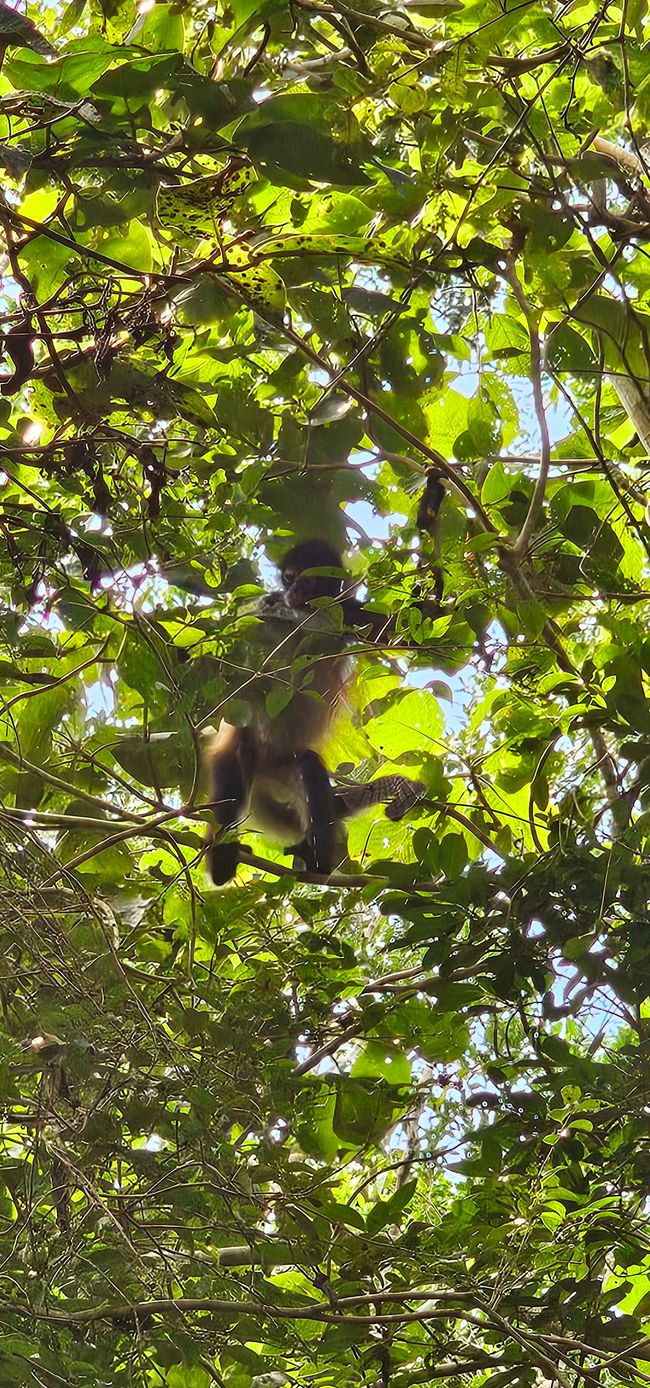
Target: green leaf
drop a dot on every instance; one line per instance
(71, 16)
(341, 1214)
(386, 1212)
(379, 1060)
(411, 725)
(497, 486)
(74, 73)
(306, 152)
(569, 351)
(269, 264)
(363, 1112)
(453, 855)
(163, 760)
(137, 79)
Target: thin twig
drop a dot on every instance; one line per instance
(520, 546)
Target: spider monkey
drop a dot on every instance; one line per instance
(272, 771)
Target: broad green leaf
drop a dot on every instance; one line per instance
(569, 351)
(388, 1211)
(72, 73)
(306, 152)
(363, 1111)
(381, 1061)
(411, 726)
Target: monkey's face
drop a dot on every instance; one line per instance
(307, 573)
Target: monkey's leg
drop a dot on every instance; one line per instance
(232, 770)
(397, 793)
(318, 849)
(304, 853)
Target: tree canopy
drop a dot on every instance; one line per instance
(379, 272)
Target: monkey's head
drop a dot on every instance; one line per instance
(313, 569)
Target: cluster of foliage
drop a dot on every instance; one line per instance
(272, 267)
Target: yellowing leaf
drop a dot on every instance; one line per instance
(373, 249)
(260, 285)
(197, 207)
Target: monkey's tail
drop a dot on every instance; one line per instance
(397, 793)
